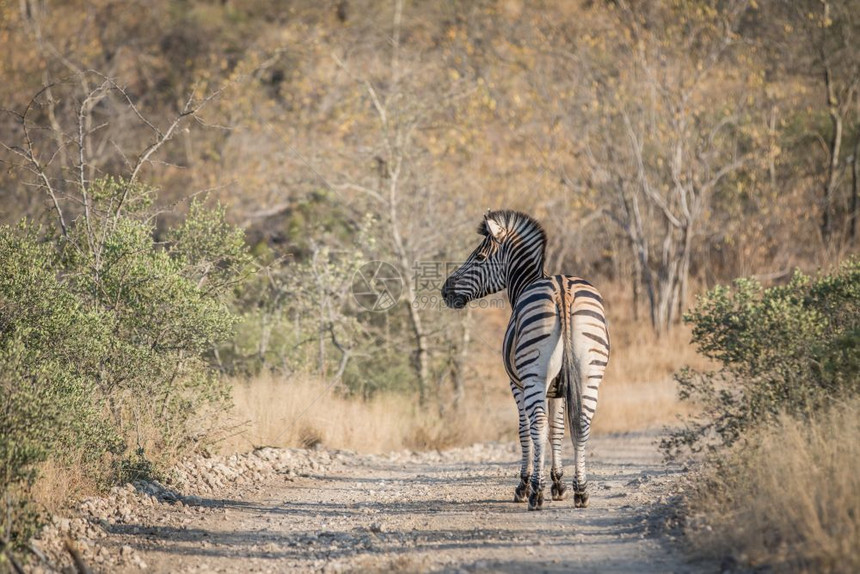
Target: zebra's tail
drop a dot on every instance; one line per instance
(571, 378)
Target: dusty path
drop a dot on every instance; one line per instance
(408, 512)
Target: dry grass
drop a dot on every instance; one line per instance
(639, 391)
(638, 394)
(791, 500)
(304, 412)
(58, 484)
(634, 406)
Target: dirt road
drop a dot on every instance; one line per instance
(452, 511)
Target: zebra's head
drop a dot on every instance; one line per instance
(509, 237)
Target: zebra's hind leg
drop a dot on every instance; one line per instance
(538, 432)
(538, 427)
(558, 488)
(523, 489)
(556, 435)
(580, 494)
(580, 482)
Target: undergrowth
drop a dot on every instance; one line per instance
(778, 423)
(104, 336)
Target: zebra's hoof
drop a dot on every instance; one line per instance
(559, 491)
(536, 501)
(580, 499)
(522, 492)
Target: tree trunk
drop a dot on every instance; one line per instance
(639, 246)
(852, 233)
(684, 274)
(833, 165)
(265, 336)
(461, 359)
(637, 284)
(322, 332)
(664, 304)
(422, 355)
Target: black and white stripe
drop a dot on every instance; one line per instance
(556, 347)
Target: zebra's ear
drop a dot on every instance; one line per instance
(497, 232)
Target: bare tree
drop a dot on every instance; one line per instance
(657, 151)
(401, 189)
(43, 151)
(817, 42)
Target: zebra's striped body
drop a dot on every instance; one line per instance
(555, 350)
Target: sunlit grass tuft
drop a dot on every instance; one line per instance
(790, 499)
(59, 484)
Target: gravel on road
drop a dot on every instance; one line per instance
(283, 510)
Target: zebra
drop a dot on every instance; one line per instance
(555, 350)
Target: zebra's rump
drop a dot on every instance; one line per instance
(537, 317)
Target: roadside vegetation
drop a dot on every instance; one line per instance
(779, 423)
(103, 339)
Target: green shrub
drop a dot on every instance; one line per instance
(789, 349)
(105, 339)
(47, 401)
(302, 317)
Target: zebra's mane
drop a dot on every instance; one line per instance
(515, 220)
(510, 219)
